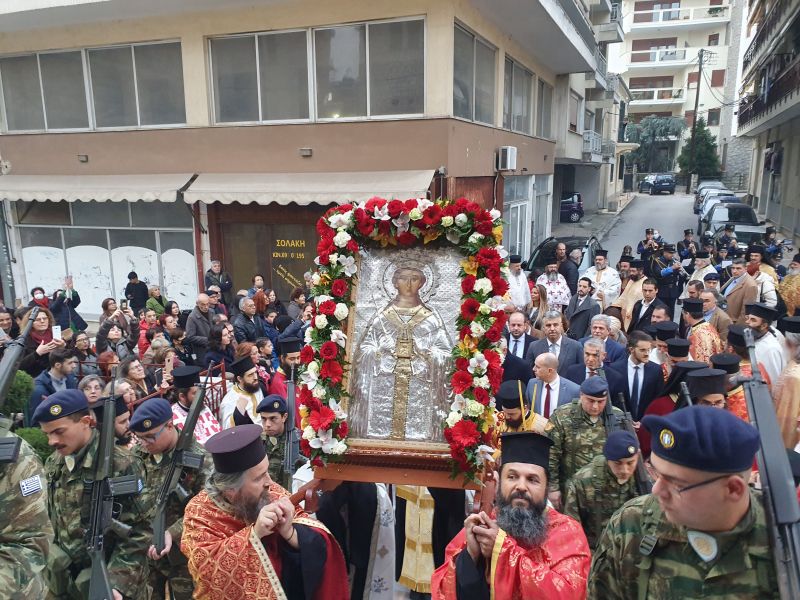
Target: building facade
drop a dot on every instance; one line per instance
(769, 111)
(134, 133)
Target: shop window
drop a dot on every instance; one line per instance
(473, 78)
(161, 214)
(544, 110)
(89, 263)
(42, 213)
(97, 214)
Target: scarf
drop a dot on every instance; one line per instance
(42, 337)
(44, 302)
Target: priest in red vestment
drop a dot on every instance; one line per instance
(246, 541)
(524, 548)
(289, 357)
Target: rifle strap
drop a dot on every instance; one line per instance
(647, 544)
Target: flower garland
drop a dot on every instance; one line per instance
(477, 233)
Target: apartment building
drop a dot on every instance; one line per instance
(659, 59)
(588, 156)
(769, 110)
(152, 136)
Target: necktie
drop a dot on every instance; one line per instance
(546, 411)
(635, 392)
(516, 346)
(553, 349)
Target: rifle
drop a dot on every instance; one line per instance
(625, 423)
(9, 446)
(777, 485)
(685, 398)
(181, 458)
(292, 452)
(104, 490)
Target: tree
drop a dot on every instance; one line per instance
(706, 160)
(655, 136)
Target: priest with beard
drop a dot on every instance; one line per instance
(524, 548)
(790, 287)
(244, 539)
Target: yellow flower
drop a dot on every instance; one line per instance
(470, 265)
(467, 346)
(430, 236)
(303, 411)
(497, 232)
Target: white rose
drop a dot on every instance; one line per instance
(453, 236)
(484, 309)
(475, 238)
(341, 311)
(341, 239)
(309, 433)
(482, 382)
(415, 214)
(453, 418)
(474, 409)
(313, 368)
(483, 285)
(333, 258)
(461, 219)
(318, 392)
(307, 336)
(320, 321)
(476, 329)
(321, 298)
(447, 221)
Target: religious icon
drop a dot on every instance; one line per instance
(404, 331)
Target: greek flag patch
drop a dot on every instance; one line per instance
(31, 485)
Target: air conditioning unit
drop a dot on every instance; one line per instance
(506, 158)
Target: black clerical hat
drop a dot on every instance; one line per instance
(186, 377)
(511, 395)
(289, 345)
(237, 449)
(706, 381)
(525, 447)
(241, 366)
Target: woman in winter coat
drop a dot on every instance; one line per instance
(157, 301)
(87, 359)
(220, 346)
(39, 342)
(63, 305)
(112, 334)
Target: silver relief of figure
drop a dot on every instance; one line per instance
(402, 357)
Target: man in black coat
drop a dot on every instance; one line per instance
(642, 312)
(641, 379)
(518, 340)
(136, 292)
(568, 265)
(580, 310)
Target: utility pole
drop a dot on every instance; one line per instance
(700, 56)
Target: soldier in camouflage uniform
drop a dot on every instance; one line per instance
(65, 418)
(702, 533)
(25, 530)
(601, 487)
(152, 424)
(578, 433)
(273, 413)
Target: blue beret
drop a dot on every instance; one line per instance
(595, 386)
(272, 404)
(151, 413)
(60, 404)
(620, 444)
(703, 438)
(711, 277)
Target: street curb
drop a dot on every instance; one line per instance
(605, 229)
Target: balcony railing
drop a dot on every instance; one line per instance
(756, 106)
(602, 63)
(666, 15)
(765, 31)
(664, 55)
(616, 13)
(656, 94)
(592, 142)
(609, 148)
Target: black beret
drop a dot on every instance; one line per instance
(525, 447)
(515, 258)
(703, 438)
(730, 227)
(666, 330)
(272, 404)
(761, 310)
(620, 444)
(702, 254)
(693, 305)
(289, 345)
(511, 395)
(595, 386)
(791, 324)
(637, 264)
(727, 362)
(678, 347)
(771, 229)
(151, 413)
(689, 231)
(241, 366)
(120, 407)
(711, 277)
(58, 405)
(669, 248)
(186, 377)
(237, 449)
(706, 381)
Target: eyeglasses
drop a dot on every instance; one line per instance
(655, 475)
(152, 438)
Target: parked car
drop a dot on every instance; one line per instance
(571, 207)
(728, 212)
(708, 183)
(704, 188)
(659, 183)
(547, 249)
(714, 198)
(745, 235)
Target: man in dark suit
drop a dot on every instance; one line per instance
(641, 379)
(518, 340)
(592, 364)
(548, 390)
(568, 265)
(580, 310)
(515, 368)
(642, 311)
(568, 351)
(601, 328)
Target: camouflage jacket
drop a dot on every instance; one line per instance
(155, 472)
(276, 450)
(743, 568)
(576, 441)
(68, 507)
(25, 530)
(593, 495)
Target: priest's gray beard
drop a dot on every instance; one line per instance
(526, 524)
(553, 276)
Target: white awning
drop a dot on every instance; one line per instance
(99, 188)
(305, 188)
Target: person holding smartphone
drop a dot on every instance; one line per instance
(39, 343)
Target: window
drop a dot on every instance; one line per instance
(113, 89)
(713, 39)
(235, 79)
(689, 116)
(691, 80)
(518, 192)
(283, 75)
(544, 108)
(397, 68)
(717, 77)
(575, 102)
(64, 90)
(517, 98)
(713, 117)
(473, 78)
(21, 92)
(341, 55)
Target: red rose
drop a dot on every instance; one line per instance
(495, 375)
(450, 211)
(332, 371)
(482, 396)
(365, 228)
(304, 395)
(342, 429)
(464, 332)
(468, 284)
(492, 357)
(461, 364)
(306, 355)
(493, 334)
(305, 447)
(373, 203)
(464, 433)
(328, 351)
(406, 238)
(322, 226)
(499, 286)
(473, 208)
(327, 308)
(384, 227)
(461, 204)
(323, 259)
(313, 404)
(483, 227)
(352, 246)
(460, 381)
(395, 208)
(469, 309)
(321, 419)
(488, 257)
(339, 288)
(432, 215)
(410, 204)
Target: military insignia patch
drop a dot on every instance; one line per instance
(275, 405)
(147, 423)
(631, 450)
(31, 485)
(667, 438)
(55, 410)
(704, 544)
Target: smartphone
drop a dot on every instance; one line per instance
(56, 332)
(123, 304)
